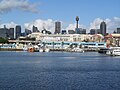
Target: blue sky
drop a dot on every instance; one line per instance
(63, 10)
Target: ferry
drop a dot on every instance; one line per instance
(114, 51)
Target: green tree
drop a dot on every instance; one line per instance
(3, 40)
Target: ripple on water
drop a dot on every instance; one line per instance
(59, 71)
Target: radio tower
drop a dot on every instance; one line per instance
(77, 19)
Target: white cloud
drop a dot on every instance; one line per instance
(8, 25)
(47, 24)
(24, 5)
(96, 23)
(73, 26)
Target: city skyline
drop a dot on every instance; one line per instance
(45, 13)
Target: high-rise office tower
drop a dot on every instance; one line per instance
(118, 30)
(35, 29)
(103, 28)
(57, 27)
(11, 33)
(27, 32)
(3, 32)
(18, 31)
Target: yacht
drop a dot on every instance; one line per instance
(114, 51)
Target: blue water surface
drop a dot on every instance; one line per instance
(58, 71)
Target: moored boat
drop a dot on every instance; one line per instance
(103, 50)
(114, 51)
(41, 50)
(78, 50)
(47, 50)
(30, 49)
(44, 50)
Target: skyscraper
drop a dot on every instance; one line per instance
(4, 32)
(18, 31)
(118, 30)
(57, 27)
(35, 29)
(103, 28)
(27, 32)
(11, 33)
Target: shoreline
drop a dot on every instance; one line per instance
(10, 49)
(63, 50)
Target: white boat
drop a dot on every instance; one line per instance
(114, 51)
(41, 50)
(36, 48)
(47, 50)
(78, 50)
(25, 48)
(44, 50)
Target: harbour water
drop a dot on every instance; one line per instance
(58, 71)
